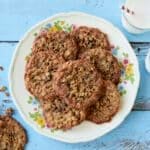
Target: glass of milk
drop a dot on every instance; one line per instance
(136, 16)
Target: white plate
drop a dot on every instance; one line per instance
(86, 131)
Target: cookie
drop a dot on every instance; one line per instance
(88, 38)
(39, 73)
(59, 42)
(105, 63)
(107, 106)
(78, 83)
(12, 135)
(59, 115)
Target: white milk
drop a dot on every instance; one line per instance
(139, 21)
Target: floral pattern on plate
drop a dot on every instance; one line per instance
(127, 70)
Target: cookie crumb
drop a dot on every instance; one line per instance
(9, 111)
(1, 68)
(3, 89)
(7, 94)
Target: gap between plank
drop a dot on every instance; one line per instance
(9, 41)
(131, 42)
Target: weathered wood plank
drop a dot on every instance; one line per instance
(133, 134)
(143, 97)
(16, 16)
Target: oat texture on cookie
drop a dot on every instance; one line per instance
(39, 73)
(60, 115)
(78, 83)
(60, 42)
(74, 76)
(107, 106)
(104, 62)
(88, 38)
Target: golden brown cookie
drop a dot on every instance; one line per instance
(39, 73)
(88, 38)
(78, 83)
(59, 115)
(104, 62)
(59, 42)
(12, 135)
(107, 106)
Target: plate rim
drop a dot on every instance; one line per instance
(10, 79)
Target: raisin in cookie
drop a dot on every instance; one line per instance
(60, 42)
(107, 106)
(88, 38)
(39, 73)
(12, 135)
(78, 83)
(104, 62)
(59, 115)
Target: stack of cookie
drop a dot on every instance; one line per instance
(74, 76)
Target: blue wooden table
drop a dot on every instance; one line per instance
(17, 16)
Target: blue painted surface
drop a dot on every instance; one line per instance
(16, 17)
